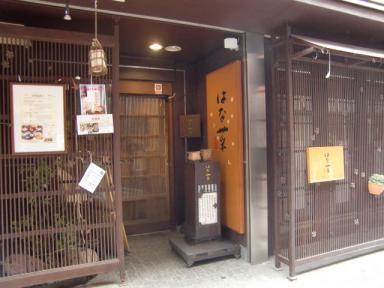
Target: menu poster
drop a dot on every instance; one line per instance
(38, 118)
(94, 124)
(93, 99)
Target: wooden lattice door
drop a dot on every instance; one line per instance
(144, 163)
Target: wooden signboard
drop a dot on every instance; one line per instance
(225, 138)
(325, 164)
(190, 126)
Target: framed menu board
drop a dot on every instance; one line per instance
(37, 118)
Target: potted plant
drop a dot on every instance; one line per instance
(376, 184)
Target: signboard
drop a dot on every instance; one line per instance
(158, 88)
(94, 124)
(225, 138)
(208, 208)
(190, 126)
(37, 118)
(325, 164)
(93, 99)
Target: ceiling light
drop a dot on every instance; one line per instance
(155, 46)
(67, 16)
(122, 1)
(173, 48)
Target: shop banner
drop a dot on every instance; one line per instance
(225, 137)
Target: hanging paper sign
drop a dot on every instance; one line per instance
(92, 178)
(95, 124)
(93, 99)
(158, 88)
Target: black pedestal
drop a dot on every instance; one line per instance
(192, 253)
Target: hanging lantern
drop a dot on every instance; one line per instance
(97, 59)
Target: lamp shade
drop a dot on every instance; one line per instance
(97, 59)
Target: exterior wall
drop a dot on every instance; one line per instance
(197, 104)
(328, 221)
(45, 218)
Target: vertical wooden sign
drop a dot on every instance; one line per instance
(225, 138)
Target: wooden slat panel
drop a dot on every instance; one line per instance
(334, 219)
(144, 164)
(144, 87)
(47, 223)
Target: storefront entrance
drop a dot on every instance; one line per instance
(145, 173)
(147, 93)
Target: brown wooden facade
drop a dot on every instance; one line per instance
(50, 229)
(321, 223)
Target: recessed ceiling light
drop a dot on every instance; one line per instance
(156, 46)
(173, 48)
(122, 1)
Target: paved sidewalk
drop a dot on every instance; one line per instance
(152, 263)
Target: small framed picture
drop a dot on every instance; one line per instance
(38, 113)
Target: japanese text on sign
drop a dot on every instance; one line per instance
(325, 164)
(223, 130)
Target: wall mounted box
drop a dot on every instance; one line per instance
(190, 126)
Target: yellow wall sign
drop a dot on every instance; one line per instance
(225, 138)
(325, 163)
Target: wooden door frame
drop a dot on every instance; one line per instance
(146, 88)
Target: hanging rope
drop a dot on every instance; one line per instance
(97, 61)
(95, 19)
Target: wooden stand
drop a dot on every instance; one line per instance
(192, 253)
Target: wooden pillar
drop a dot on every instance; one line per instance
(116, 150)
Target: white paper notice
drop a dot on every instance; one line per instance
(92, 178)
(208, 208)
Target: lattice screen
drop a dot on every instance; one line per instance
(46, 220)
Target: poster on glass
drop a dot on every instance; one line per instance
(37, 118)
(93, 99)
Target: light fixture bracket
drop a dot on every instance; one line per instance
(67, 15)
